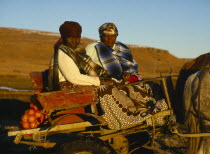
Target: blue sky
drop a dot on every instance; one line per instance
(180, 26)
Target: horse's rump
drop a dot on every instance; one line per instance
(204, 96)
(196, 105)
(188, 69)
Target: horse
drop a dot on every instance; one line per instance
(187, 69)
(192, 99)
(197, 114)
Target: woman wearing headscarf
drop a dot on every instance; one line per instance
(72, 69)
(133, 103)
(113, 55)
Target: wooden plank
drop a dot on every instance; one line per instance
(65, 99)
(53, 129)
(134, 129)
(175, 131)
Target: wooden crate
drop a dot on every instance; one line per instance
(65, 99)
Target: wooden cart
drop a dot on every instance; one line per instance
(83, 130)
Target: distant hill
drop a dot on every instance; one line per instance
(23, 51)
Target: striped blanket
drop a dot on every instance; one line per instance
(117, 61)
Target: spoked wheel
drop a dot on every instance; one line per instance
(85, 146)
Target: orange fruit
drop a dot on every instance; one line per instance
(38, 114)
(25, 125)
(24, 118)
(35, 108)
(31, 112)
(31, 105)
(31, 118)
(33, 125)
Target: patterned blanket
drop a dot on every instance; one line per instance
(116, 61)
(130, 105)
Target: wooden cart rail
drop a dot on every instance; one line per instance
(175, 131)
(57, 128)
(76, 126)
(37, 133)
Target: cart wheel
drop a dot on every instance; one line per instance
(86, 146)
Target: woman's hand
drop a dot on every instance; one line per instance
(126, 76)
(111, 81)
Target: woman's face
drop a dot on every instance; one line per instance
(109, 40)
(73, 42)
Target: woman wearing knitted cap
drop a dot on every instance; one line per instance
(68, 67)
(113, 55)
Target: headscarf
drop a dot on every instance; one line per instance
(70, 29)
(108, 28)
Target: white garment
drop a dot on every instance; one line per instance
(68, 71)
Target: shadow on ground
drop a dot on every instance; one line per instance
(11, 111)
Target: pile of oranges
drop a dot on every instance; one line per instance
(33, 117)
